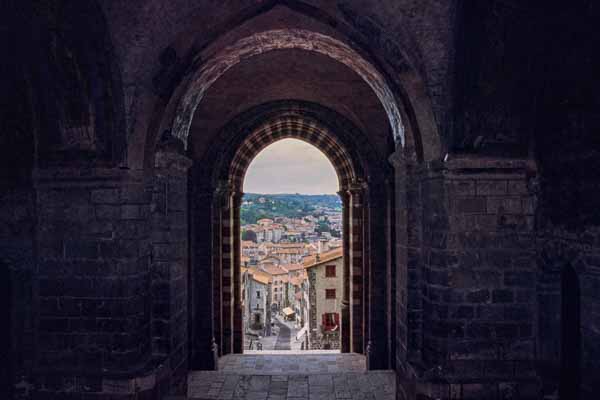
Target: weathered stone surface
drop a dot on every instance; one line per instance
(492, 115)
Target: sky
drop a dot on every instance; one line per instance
(291, 166)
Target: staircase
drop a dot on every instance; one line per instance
(297, 376)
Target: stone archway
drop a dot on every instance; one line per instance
(219, 246)
(229, 194)
(263, 42)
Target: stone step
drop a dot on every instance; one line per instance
(371, 385)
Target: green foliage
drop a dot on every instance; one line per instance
(322, 226)
(285, 205)
(249, 235)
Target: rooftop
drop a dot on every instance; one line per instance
(318, 259)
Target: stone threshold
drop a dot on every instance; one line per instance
(288, 352)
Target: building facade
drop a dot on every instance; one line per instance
(256, 292)
(325, 285)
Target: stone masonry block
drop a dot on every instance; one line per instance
(517, 313)
(478, 296)
(131, 211)
(135, 194)
(109, 212)
(462, 312)
(528, 205)
(491, 187)
(119, 249)
(106, 196)
(461, 187)
(502, 296)
(524, 279)
(469, 205)
(518, 187)
(510, 205)
(81, 249)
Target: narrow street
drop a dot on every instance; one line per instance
(283, 339)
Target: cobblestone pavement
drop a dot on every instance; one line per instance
(372, 385)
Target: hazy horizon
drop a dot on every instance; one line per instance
(291, 166)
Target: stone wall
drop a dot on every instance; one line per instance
(93, 284)
(170, 262)
(471, 290)
(479, 260)
(568, 221)
(17, 263)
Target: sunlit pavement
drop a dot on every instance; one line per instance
(309, 375)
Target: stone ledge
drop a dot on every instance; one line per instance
(62, 176)
(501, 168)
(473, 162)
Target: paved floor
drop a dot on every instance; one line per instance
(373, 385)
(315, 376)
(305, 362)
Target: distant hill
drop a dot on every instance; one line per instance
(257, 206)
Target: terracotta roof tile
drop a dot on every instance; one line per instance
(322, 258)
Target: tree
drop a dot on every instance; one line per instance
(249, 235)
(323, 226)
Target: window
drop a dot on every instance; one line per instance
(330, 293)
(330, 271)
(258, 294)
(330, 321)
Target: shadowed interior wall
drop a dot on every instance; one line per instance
(495, 193)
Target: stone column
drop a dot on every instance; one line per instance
(226, 193)
(170, 261)
(217, 307)
(238, 331)
(356, 237)
(400, 264)
(202, 313)
(479, 298)
(377, 273)
(92, 284)
(346, 335)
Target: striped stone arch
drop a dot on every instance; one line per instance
(227, 198)
(297, 128)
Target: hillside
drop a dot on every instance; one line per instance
(256, 206)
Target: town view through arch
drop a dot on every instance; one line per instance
(291, 250)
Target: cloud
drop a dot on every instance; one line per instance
(291, 166)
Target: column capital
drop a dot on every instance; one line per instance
(222, 193)
(357, 185)
(225, 191)
(343, 193)
(397, 158)
(167, 159)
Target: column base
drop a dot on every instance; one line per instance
(154, 383)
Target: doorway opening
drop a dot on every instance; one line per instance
(292, 263)
(219, 290)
